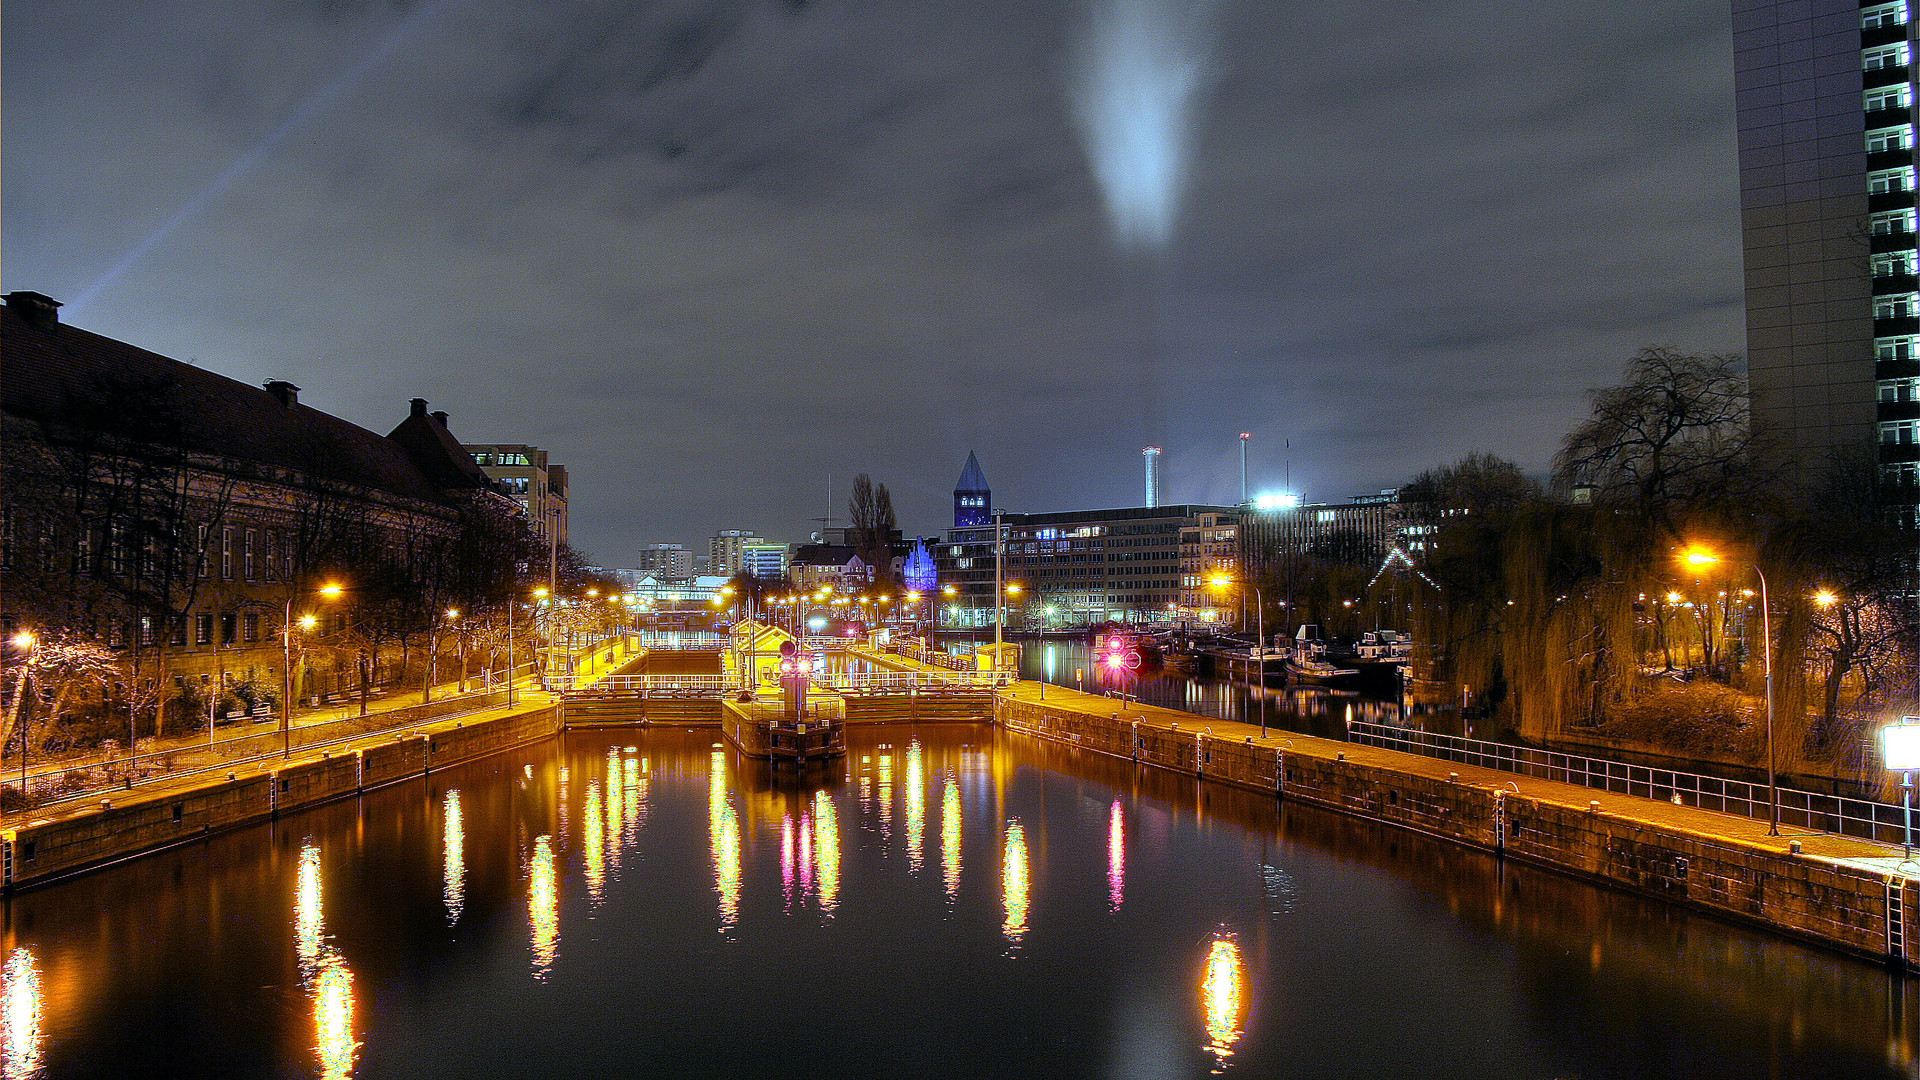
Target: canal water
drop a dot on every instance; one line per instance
(953, 901)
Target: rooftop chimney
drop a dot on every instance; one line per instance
(440, 418)
(40, 310)
(287, 394)
(419, 406)
(1152, 454)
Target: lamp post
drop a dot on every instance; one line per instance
(999, 557)
(1900, 751)
(332, 591)
(1697, 557)
(26, 642)
(1259, 645)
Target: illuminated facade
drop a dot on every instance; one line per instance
(1371, 522)
(1825, 94)
(528, 478)
(1089, 566)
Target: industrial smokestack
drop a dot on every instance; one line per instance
(1152, 454)
(1244, 436)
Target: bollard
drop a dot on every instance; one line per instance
(1453, 778)
(1593, 806)
(1794, 847)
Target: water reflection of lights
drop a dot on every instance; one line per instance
(1014, 883)
(1223, 994)
(333, 1019)
(453, 856)
(543, 907)
(826, 851)
(615, 810)
(323, 971)
(916, 806)
(594, 839)
(886, 796)
(950, 837)
(1116, 856)
(308, 929)
(20, 996)
(723, 830)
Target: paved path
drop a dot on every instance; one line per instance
(1711, 824)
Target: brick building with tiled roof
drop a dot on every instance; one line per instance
(153, 503)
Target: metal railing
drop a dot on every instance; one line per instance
(1865, 819)
(653, 685)
(677, 641)
(82, 779)
(902, 681)
(936, 659)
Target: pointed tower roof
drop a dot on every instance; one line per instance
(971, 478)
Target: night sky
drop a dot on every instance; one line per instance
(706, 253)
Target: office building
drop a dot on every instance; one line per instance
(1825, 90)
(528, 478)
(665, 560)
(726, 551)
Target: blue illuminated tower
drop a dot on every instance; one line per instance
(972, 499)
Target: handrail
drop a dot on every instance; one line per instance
(1866, 819)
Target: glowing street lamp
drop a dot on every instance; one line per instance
(1701, 558)
(332, 590)
(1260, 644)
(1900, 751)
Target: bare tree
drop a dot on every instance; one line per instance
(870, 513)
(1673, 438)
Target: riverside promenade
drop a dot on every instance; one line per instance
(1838, 891)
(46, 843)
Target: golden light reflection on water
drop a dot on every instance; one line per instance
(308, 928)
(323, 971)
(886, 796)
(723, 829)
(1223, 994)
(916, 807)
(333, 1019)
(453, 856)
(594, 839)
(21, 997)
(826, 851)
(543, 907)
(950, 837)
(615, 811)
(636, 798)
(1116, 856)
(1014, 883)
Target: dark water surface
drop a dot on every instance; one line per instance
(955, 901)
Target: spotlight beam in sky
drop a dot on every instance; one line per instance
(316, 103)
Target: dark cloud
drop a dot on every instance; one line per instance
(709, 252)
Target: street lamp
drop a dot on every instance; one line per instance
(1698, 557)
(1900, 749)
(1259, 645)
(26, 642)
(331, 591)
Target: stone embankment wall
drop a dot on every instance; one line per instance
(1834, 903)
(146, 820)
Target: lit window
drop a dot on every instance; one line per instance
(1893, 264)
(1896, 305)
(1883, 181)
(1889, 97)
(1884, 56)
(1890, 138)
(1900, 432)
(1879, 15)
(1896, 391)
(1905, 473)
(1895, 348)
(1892, 222)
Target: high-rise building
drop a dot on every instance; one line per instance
(665, 560)
(726, 554)
(528, 478)
(1825, 91)
(768, 562)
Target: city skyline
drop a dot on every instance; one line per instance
(709, 256)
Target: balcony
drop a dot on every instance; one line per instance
(1874, 78)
